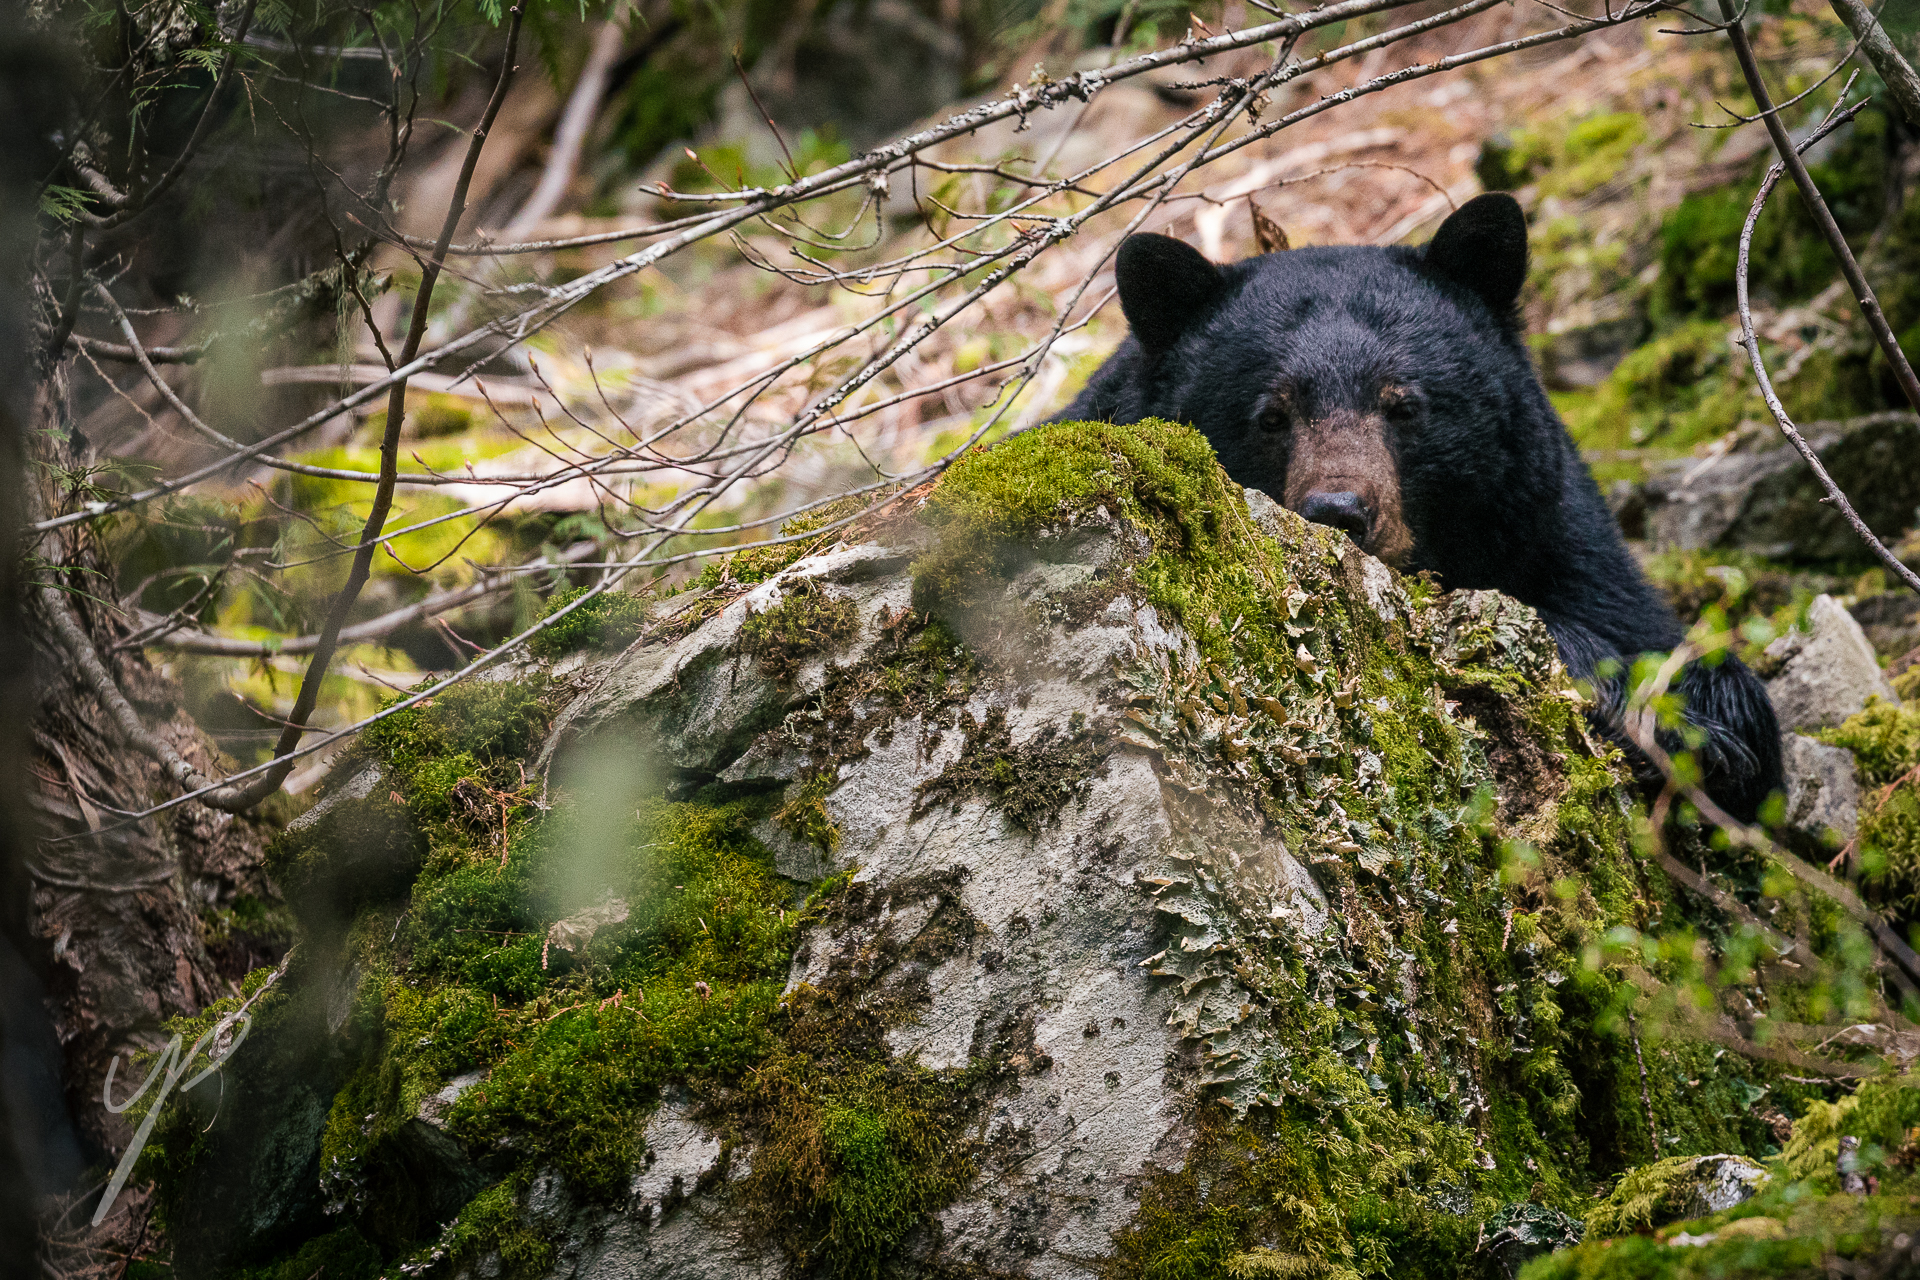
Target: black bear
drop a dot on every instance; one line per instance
(1389, 392)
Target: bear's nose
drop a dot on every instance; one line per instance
(1343, 510)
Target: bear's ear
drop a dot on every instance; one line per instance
(1164, 285)
(1483, 246)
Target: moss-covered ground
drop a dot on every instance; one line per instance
(1885, 741)
(1682, 385)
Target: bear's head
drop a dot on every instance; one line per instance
(1384, 391)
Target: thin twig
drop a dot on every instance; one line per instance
(1835, 497)
(362, 567)
(1823, 217)
(1646, 1095)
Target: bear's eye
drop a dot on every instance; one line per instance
(1275, 410)
(1399, 404)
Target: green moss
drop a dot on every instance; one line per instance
(492, 1223)
(339, 1255)
(992, 504)
(440, 415)
(1793, 1233)
(855, 1154)
(1567, 157)
(854, 1146)
(757, 564)
(803, 815)
(608, 621)
(1677, 391)
(808, 619)
(492, 721)
(1884, 739)
(1650, 1196)
(1889, 850)
(581, 1067)
(1881, 1114)
(1699, 238)
(1799, 1224)
(1332, 1192)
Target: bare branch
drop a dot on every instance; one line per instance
(372, 629)
(1894, 70)
(1751, 341)
(362, 567)
(1823, 218)
(571, 133)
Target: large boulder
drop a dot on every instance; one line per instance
(1082, 864)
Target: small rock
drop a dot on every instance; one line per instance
(577, 930)
(1823, 675)
(435, 1108)
(1848, 1167)
(1266, 513)
(1519, 1233)
(1722, 1182)
(1823, 797)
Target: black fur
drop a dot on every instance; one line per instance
(1492, 487)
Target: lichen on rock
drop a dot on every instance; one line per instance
(1082, 865)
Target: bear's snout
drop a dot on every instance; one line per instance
(1342, 473)
(1345, 511)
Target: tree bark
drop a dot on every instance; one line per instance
(128, 924)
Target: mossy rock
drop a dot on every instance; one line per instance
(347, 855)
(1203, 899)
(1802, 1223)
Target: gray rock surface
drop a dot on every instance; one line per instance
(358, 787)
(1823, 796)
(435, 1108)
(1721, 1182)
(679, 1154)
(698, 702)
(1761, 497)
(1818, 677)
